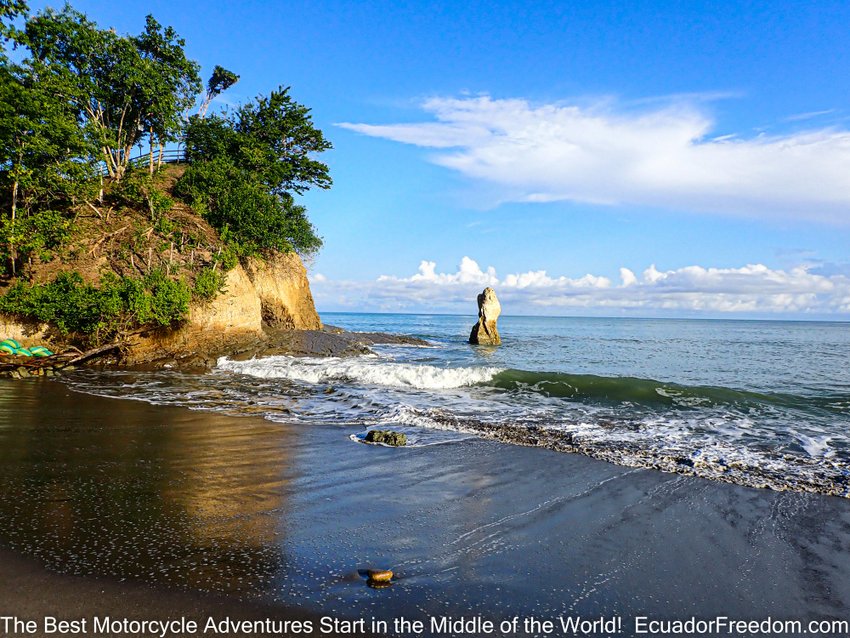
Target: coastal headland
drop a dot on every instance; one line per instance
(261, 305)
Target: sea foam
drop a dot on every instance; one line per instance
(368, 369)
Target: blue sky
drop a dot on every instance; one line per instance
(702, 146)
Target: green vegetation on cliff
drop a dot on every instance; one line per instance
(96, 242)
(117, 303)
(245, 167)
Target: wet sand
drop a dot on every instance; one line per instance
(31, 592)
(285, 516)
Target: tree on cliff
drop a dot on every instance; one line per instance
(40, 142)
(79, 99)
(220, 80)
(247, 166)
(42, 151)
(123, 87)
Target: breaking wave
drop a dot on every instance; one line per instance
(790, 439)
(378, 371)
(368, 369)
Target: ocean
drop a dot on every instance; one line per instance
(755, 403)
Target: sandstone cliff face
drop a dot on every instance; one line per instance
(25, 332)
(285, 297)
(230, 319)
(275, 293)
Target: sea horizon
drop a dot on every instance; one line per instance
(645, 317)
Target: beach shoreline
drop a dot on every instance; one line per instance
(287, 517)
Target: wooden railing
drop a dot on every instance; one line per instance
(169, 156)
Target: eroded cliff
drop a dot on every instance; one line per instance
(263, 296)
(258, 299)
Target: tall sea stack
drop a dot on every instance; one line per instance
(484, 332)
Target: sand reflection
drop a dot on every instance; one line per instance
(184, 498)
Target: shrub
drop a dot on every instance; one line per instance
(138, 190)
(37, 234)
(169, 299)
(154, 299)
(97, 313)
(208, 284)
(67, 303)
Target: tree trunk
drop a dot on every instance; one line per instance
(110, 162)
(122, 161)
(12, 255)
(161, 153)
(202, 110)
(150, 132)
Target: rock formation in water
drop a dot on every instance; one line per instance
(484, 332)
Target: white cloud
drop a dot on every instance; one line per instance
(627, 276)
(753, 289)
(468, 272)
(663, 156)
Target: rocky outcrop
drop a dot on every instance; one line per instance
(329, 342)
(271, 294)
(265, 309)
(285, 298)
(484, 332)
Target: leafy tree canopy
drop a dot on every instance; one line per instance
(44, 156)
(272, 137)
(245, 167)
(123, 87)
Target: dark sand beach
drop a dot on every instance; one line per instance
(137, 501)
(31, 591)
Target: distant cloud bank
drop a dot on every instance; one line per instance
(753, 289)
(663, 156)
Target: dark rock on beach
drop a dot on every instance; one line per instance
(330, 341)
(306, 343)
(377, 338)
(387, 437)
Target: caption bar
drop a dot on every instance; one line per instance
(432, 626)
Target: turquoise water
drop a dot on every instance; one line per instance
(758, 403)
